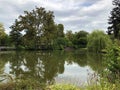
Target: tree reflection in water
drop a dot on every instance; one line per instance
(44, 66)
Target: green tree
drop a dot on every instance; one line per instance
(15, 35)
(2, 34)
(114, 19)
(60, 30)
(38, 27)
(69, 35)
(98, 41)
(80, 39)
(60, 43)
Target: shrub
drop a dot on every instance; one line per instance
(60, 43)
(97, 41)
(112, 62)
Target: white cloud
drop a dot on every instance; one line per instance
(74, 14)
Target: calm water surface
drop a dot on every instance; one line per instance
(51, 66)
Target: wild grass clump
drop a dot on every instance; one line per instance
(63, 87)
(103, 86)
(22, 85)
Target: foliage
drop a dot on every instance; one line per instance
(60, 43)
(114, 20)
(34, 29)
(100, 82)
(22, 85)
(77, 39)
(16, 38)
(2, 31)
(97, 41)
(31, 85)
(69, 35)
(113, 63)
(3, 35)
(80, 39)
(6, 40)
(104, 86)
(60, 30)
(63, 87)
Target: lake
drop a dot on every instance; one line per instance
(49, 67)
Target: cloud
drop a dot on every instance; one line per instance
(74, 14)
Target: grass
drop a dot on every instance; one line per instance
(62, 87)
(26, 85)
(22, 85)
(100, 84)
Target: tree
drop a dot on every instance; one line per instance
(80, 39)
(114, 20)
(77, 39)
(60, 30)
(98, 41)
(69, 35)
(38, 27)
(2, 34)
(60, 41)
(15, 35)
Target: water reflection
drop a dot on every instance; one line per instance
(45, 66)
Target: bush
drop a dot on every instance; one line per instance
(112, 62)
(97, 41)
(80, 39)
(60, 43)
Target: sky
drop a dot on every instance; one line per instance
(75, 15)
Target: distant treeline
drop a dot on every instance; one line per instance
(37, 30)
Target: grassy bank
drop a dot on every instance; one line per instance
(93, 83)
(26, 85)
(105, 86)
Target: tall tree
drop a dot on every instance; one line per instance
(114, 19)
(69, 35)
(60, 30)
(38, 27)
(15, 35)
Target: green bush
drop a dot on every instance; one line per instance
(112, 62)
(97, 41)
(60, 43)
(80, 39)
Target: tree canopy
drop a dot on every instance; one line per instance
(2, 35)
(34, 29)
(77, 39)
(98, 41)
(114, 20)
(60, 30)
(2, 31)
(80, 39)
